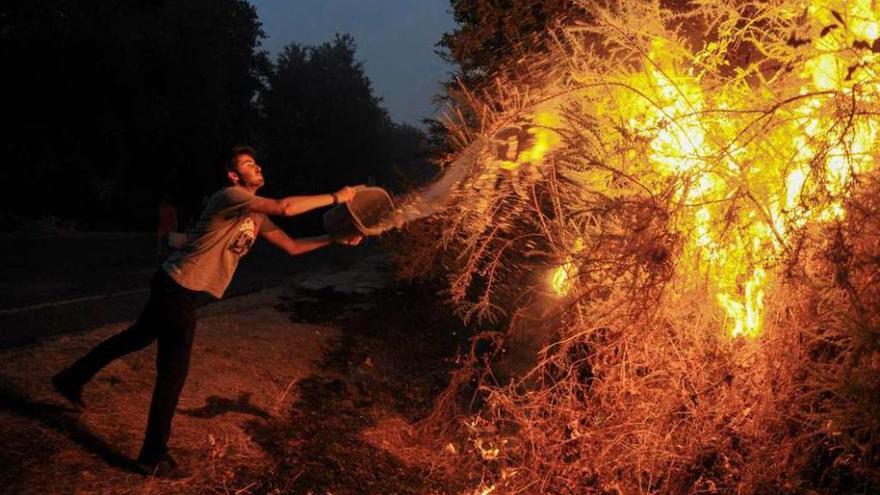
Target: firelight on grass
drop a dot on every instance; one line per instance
(745, 177)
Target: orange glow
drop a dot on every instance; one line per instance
(741, 198)
(562, 278)
(531, 144)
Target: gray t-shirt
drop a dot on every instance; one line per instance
(224, 233)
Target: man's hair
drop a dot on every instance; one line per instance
(234, 153)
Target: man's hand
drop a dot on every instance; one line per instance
(345, 195)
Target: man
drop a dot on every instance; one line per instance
(229, 224)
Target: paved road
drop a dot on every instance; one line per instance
(51, 286)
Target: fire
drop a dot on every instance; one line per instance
(694, 195)
(528, 143)
(485, 491)
(742, 188)
(562, 278)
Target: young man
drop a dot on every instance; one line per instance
(229, 224)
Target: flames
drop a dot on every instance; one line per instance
(703, 206)
(562, 278)
(750, 168)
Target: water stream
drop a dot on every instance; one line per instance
(434, 198)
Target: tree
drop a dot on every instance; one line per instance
(113, 100)
(492, 33)
(323, 126)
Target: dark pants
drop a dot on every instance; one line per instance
(169, 318)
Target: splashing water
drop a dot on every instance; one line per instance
(436, 197)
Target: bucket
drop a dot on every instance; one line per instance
(363, 216)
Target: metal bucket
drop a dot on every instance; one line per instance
(363, 216)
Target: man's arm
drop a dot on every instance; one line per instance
(293, 246)
(295, 205)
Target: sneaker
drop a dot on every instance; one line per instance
(69, 389)
(164, 467)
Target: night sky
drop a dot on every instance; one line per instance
(395, 41)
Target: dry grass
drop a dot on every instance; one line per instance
(246, 356)
(633, 383)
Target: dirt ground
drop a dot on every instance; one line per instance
(310, 387)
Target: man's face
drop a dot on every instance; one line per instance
(249, 173)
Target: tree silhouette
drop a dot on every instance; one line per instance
(492, 33)
(114, 104)
(322, 123)
(113, 101)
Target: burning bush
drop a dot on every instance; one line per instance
(682, 214)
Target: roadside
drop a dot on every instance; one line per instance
(311, 387)
(61, 285)
(246, 357)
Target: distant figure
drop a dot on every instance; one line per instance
(227, 228)
(167, 225)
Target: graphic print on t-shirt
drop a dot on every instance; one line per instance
(244, 238)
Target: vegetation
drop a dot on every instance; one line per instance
(670, 239)
(319, 112)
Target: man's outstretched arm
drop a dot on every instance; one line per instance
(294, 247)
(295, 205)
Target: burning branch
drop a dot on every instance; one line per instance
(666, 190)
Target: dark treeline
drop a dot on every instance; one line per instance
(110, 105)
